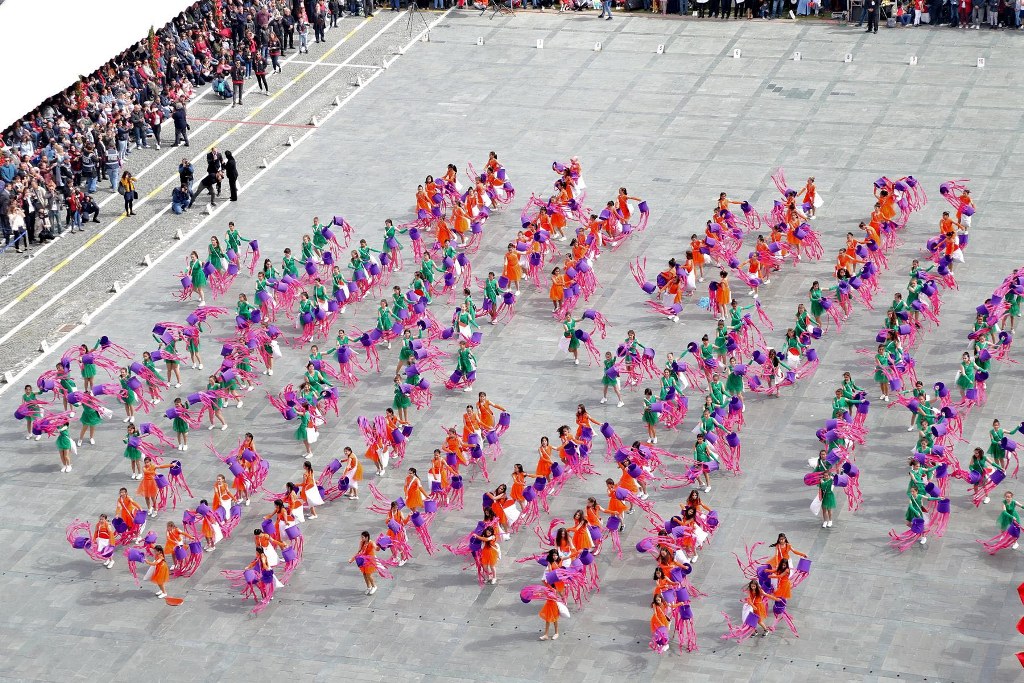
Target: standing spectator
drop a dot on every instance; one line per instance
(353, 8)
(259, 67)
(231, 171)
(90, 169)
(186, 174)
(73, 219)
(214, 165)
(977, 14)
(181, 199)
(335, 9)
(993, 14)
(275, 52)
(16, 219)
(126, 187)
(368, 8)
(154, 117)
(288, 30)
(684, 7)
(180, 125)
(606, 10)
(121, 136)
(237, 81)
(112, 162)
(964, 13)
(871, 12)
(53, 202)
(319, 24)
(303, 29)
(5, 220)
(207, 184)
(138, 121)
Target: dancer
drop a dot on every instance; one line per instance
(368, 567)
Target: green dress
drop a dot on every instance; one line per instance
(605, 379)
(490, 293)
(850, 389)
(234, 240)
(828, 496)
(179, 426)
(306, 252)
(34, 411)
(214, 386)
(63, 440)
(467, 362)
(965, 378)
(302, 432)
(1008, 515)
(90, 417)
(569, 332)
(130, 398)
(289, 267)
(734, 384)
(841, 405)
(1013, 303)
(701, 452)
(649, 417)
(196, 274)
(88, 370)
(881, 361)
(130, 452)
(217, 257)
(717, 392)
(402, 400)
(817, 310)
(384, 320)
(319, 241)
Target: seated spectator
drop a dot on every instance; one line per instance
(222, 87)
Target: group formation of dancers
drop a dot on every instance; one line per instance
(557, 249)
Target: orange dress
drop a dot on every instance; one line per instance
(660, 618)
(431, 189)
(397, 516)
(518, 486)
(444, 233)
(784, 587)
(470, 424)
(354, 466)
(593, 518)
(615, 506)
(422, 202)
(483, 409)
(544, 463)
(760, 607)
(460, 220)
(722, 295)
(160, 572)
(175, 537)
(307, 483)
(488, 553)
(439, 471)
(103, 532)
(698, 255)
(582, 421)
(558, 284)
(513, 271)
(367, 548)
(413, 492)
(126, 509)
(549, 612)
(627, 482)
(147, 487)
(581, 535)
(888, 207)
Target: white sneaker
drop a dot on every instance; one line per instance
(986, 500)
(620, 404)
(924, 539)
(468, 389)
(401, 563)
(210, 428)
(246, 502)
(64, 468)
(27, 437)
(92, 442)
(366, 592)
(1014, 546)
(200, 366)
(38, 437)
(910, 428)
(79, 442)
(185, 447)
(707, 489)
(824, 525)
(239, 405)
(655, 440)
(250, 388)
(71, 414)
(178, 385)
(270, 372)
(223, 427)
(69, 468)
(126, 419)
(373, 590)
(830, 524)
(576, 361)
(693, 559)
(604, 400)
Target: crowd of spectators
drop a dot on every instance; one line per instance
(54, 159)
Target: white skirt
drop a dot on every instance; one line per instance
(313, 496)
(272, 558)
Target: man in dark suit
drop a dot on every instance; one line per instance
(871, 10)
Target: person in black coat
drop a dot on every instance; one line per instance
(231, 171)
(871, 13)
(214, 165)
(180, 125)
(206, 185)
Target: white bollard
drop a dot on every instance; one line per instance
(981, 62)
(337, 101)
(540, 43)
(264, 164)
(86, 318)
(480, 40)
(290, 143)
(796, 56)
(116, 287)
(848, 58)
(178, 235)
(8, 378)
(597, 46)
(359, 81)
(913, 60)
(147, 260)
(661, 49)
(736, 54)
(314, 122)
(44, 346)
(208, 209)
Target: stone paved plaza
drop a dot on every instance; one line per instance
(675, 128)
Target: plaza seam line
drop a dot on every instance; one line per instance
(202, 224)
(160, 188)
(152, 164)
